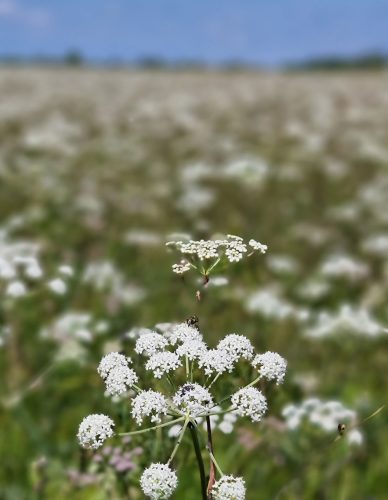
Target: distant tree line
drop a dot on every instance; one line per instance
(372, 61)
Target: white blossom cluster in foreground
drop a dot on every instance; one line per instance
(204, 255)
(190, 369)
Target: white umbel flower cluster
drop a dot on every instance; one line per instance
(94, 429)
(158, 481)
(163, 362)
(216, 361)
(182, 267)
(193, 398)
(193, 349)
(150, 343)
(182, 332)
(149, 404)
(236, 347)
(116, 373)
(256, 245)
(271, 366)
(250, 402)
(229, 488)
(210, 252)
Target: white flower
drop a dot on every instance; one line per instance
(226, 427)
(94, 429)
(235, 250)
(150, 343)
(120, 379)
(258, 246)
(114, 369)
(193, 349)
(344, 266)
(183, 332)
(250, 402)
(16, 289)
(174, 431)
(216, 360)
(66, 270)
(272, 366)
(324, 414)
(34, 270)
(193, 398)
(111, 361)
(354, 436)
(57, 286)
(229, 488)
(158, 481)
(149, 404)
(237, 346)
(163, 362)
(182, 267)
(350, 319)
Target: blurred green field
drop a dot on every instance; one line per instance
(99, 167)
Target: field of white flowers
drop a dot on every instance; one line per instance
(280, 347)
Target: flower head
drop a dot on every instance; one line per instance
(94, 429)
(250, 402)
(229, 488)
(216, 361)
(163, 362)
(235, 248)
(118, 377)
(149, 404)
(183, 332)
(150, 343)
(256, 245)
(158, 481)
(272, 366)
(237, 346)
(110, 361)
(193, 349)
(182, 267)
(193, 398)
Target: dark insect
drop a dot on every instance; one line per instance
(341, 429)
(185, 389)
(192, 321)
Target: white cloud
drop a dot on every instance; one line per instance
(11, 10)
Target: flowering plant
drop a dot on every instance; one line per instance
(185, 371)
(183, 390)
(204, 255)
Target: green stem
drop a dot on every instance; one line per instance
(187, 420)
(213, 266)
(194, 437)
(228, 410)
(187, 367)
(252, 383)
(215, 462)
(171, 382)
(214, 379)
(230, 395)
(142, 431)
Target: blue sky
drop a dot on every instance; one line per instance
(261, 31)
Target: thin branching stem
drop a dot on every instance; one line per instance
(215, 462)
(180, 437)
(214, 379)
(142, 431)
